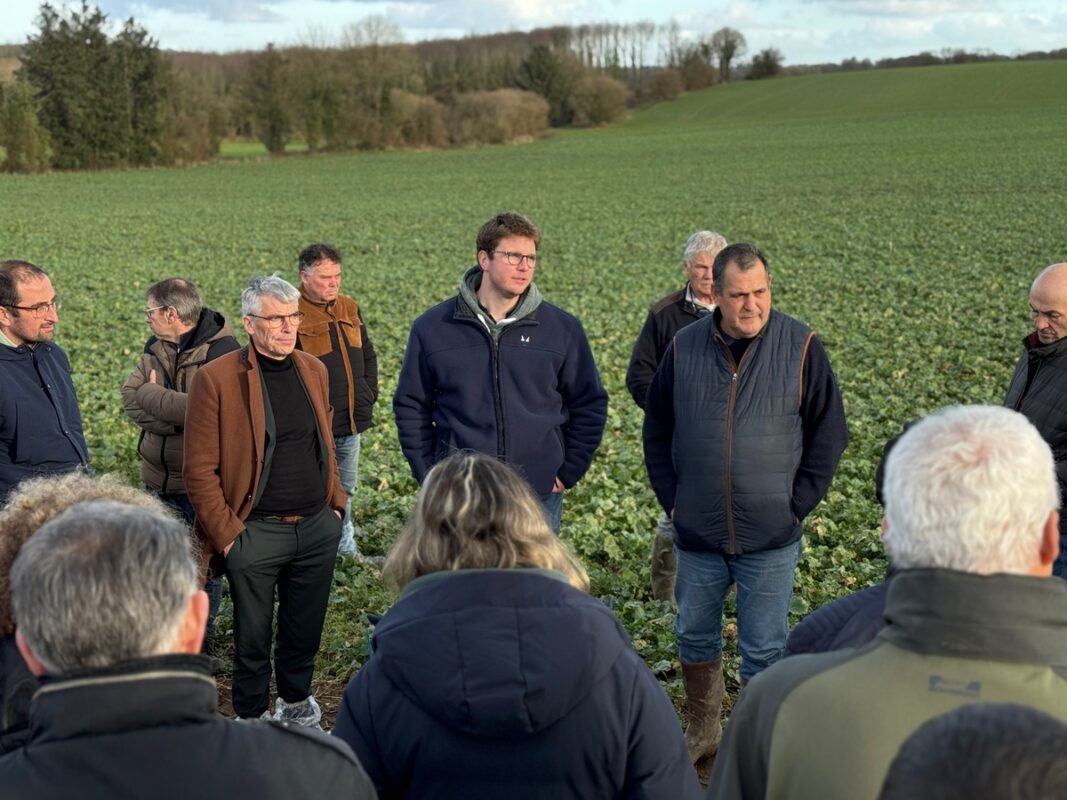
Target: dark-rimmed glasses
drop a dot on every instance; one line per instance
(275, 321)
(516, 258)
(40, 309)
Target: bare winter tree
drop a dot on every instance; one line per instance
(727, 44)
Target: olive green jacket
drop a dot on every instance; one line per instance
(827, 726)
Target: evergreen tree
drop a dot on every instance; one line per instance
(101, 100)
(21, 134)
(267, 93)
(552, 77)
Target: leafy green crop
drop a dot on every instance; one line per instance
(904, 212)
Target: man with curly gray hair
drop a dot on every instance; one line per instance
(260, 471)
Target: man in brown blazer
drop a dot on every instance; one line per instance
(261, 475)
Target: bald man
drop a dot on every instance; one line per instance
(1039, 386)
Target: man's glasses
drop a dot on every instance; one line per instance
(148, 312)
(275, 322)
(40, 309)
(516, 258)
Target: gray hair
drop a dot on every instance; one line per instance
(179, 294)
(260, 286)
(102, 583)
(703, 242)
(969, 488)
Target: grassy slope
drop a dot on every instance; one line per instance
(904, 213)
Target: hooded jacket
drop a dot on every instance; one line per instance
(159, 408)
(40, 425)
(526, 390)
(511, 683)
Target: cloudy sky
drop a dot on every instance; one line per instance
(806, 31)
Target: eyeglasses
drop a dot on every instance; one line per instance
(40, 309)
(275, 322)
(516, 258)
(150, 311)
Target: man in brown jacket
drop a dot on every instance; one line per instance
(261, 474)
(333, 331)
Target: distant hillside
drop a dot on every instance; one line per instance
(1034, 84)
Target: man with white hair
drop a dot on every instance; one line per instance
(1039, 384)
(260, 471)
(667, 316)
(110, 615)
(971, 523)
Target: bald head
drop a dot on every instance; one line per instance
(1048, 303)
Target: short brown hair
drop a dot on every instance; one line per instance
(474, 512)
(12, 273)
(506, 223)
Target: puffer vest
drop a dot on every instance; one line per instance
(738, 437)
(1037, 391)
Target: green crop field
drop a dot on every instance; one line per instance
(904, 213)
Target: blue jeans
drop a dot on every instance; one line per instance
(347, 453)
(553, 509)
(764, 590)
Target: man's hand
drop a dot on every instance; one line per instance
(152, 376)
(226, 550)
(558, 487)
(339, 514)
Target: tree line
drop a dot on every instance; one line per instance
(84, 99)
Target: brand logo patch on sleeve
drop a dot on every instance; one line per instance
(943, 685)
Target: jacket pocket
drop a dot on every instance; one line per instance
(315, 339)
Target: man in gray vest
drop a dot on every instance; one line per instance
(1039, 384)
(744, 426)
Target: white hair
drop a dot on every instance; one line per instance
(703, 242)
(260, 286)
(969, 488)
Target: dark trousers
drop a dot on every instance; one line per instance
(297, 559)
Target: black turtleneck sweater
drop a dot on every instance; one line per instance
(295, 484)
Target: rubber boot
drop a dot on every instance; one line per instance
(663, 561)
(704, 690)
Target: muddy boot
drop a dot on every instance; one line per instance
(704, 689)
(663, 561)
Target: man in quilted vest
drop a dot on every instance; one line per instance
(1039, 384)
(744, 425)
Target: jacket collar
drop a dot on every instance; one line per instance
(1011, 618)
(690, 304)
(134, 694)
(468, 307)
(1037, 351)
(432, 578)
